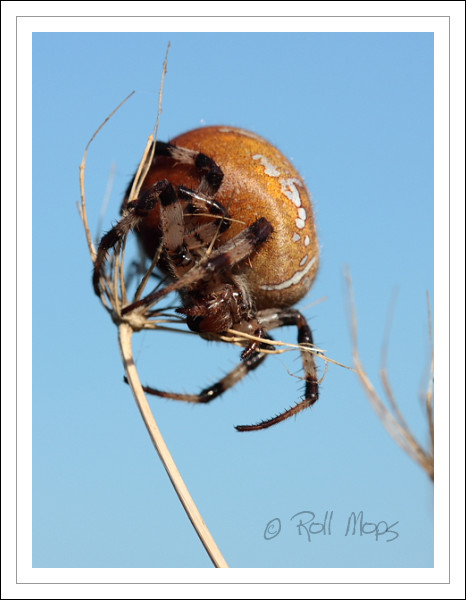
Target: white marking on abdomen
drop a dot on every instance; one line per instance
(269, 168)
(293, 280)
(290, 189)
(300, 224)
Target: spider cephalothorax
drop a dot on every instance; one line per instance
(232, 225)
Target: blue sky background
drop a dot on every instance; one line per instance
(354, 112)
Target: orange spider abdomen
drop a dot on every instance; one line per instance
(259, 181)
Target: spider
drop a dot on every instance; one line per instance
(232, 223)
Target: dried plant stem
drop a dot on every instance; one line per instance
(82, 170)
(393, 419)
(125, 333)
(238, 337)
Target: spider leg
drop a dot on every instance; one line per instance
(271, 319)
(173, 228)
(228, 255)
(200, 236)
(212, 173)
(178, 240)
(213, 391)
(136, 211)
(254, 345)
(198, 202)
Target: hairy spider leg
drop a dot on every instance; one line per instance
(136, 212)
(271, 319)
(213, 391)
(212, 173)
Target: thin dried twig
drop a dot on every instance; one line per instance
(124, 335)
(429, 396)
(82, 170)
(114, 296)
(392, 418)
